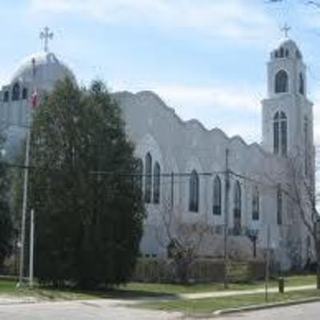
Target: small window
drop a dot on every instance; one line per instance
(255, 204)
(298, 54)
(301, 84)
(281, 53)
(156, 183)
(237, 208)
(287, 53)
(16, 92)
(283, 130)
(217, 196)
(281, 82)
(194, 192)
(6, 96)
(25, 93)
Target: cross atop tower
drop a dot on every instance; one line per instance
(45, 35)
(286, 30)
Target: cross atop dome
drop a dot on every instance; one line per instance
(45, 35)
(286, 30)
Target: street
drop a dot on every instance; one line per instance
(112, 309)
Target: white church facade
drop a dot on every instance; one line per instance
(192, 175)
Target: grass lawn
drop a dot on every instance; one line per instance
(172, 289)
(209, 305)
(135, 290)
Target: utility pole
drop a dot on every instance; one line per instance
(31, 249)
(226, 220)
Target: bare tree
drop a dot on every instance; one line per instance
(301, 191)
(182, 239)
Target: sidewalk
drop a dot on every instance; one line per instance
(220, 294)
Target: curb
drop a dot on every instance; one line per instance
(265, 306)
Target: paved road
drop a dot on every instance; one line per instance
(116, 310)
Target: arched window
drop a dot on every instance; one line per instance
(281, 52)
(148, 178)
(287, 53)
(281, 82)
(237, 208)
(279, 205)
(283, 131)
(156, 183)
(255, 204)
(6, 96)
(194, 192)
(139, 174)
(280, 133)
(16, 92)
(217, 196)
(301, 84)
(298, 54)
(25, 93)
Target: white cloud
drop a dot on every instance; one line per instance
(227, 98)
(232, 109)
(236, 19)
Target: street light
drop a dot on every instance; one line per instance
(252, 234)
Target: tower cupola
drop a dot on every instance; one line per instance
(287, 113)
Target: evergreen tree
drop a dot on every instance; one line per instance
(88, 207)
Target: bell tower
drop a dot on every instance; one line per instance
(287, 119)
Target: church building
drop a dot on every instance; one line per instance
(190, 176)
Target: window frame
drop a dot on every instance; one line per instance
(156, 182)
(194, 186)
(148, 179)
(217, 196)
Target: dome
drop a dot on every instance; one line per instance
(289, 43)
(42, 71)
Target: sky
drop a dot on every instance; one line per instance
(204, 58)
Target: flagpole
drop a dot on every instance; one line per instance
(24, 208)
(25, 184)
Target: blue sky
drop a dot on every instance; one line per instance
(205, 58)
